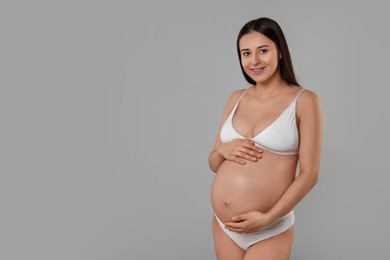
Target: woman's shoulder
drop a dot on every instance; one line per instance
(233, 99)
(302, 91)
(308, 101)
(235, 95)
(307, 95)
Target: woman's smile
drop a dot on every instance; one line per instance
(258, 70)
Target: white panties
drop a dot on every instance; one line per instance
(245, 240)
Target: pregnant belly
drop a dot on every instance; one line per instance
(238, 189)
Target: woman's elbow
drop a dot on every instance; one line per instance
(211, 166)
(311, 178)
(314, 179)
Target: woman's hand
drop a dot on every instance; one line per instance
(240, 149)
(248, 222)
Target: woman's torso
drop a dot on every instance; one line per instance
(258, 185)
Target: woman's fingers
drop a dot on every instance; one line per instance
(240, 150)
(250, 151)
(246, 154)
(254, 154)
(252, 145)
(236, 159)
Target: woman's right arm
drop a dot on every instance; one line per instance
(238, 149)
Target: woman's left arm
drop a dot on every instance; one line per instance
(309, 120)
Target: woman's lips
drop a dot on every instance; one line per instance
(257, 70)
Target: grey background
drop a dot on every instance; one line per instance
(109, 110)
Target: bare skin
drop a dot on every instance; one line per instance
(241, 188)
(253, 187)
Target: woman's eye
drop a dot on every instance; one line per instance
(263, 51)
(245, 53)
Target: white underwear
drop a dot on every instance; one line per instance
(245, 240)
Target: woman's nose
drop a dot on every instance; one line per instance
(255, 58)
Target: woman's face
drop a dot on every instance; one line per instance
(259, 57)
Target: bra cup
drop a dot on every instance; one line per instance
(280, 137)
(228, 133)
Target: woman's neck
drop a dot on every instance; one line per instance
(271, 87)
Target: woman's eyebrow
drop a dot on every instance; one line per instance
(259, 47)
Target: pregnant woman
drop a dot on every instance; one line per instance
(266, 131)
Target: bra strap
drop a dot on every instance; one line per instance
(242, 94)
(299, 93)
(236, 105)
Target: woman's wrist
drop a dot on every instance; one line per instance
(270, 216)
(218, 152)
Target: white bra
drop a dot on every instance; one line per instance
(280, 137)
